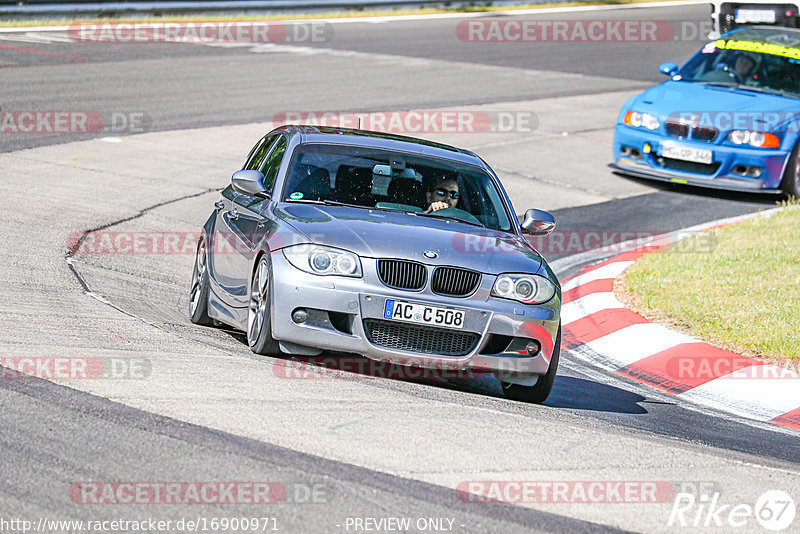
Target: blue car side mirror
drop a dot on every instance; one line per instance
(669, 68)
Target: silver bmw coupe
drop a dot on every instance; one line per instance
(398, 249)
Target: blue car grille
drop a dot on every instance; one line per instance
(422, 339)
(688, 166)
(677, 129)
(684, 130)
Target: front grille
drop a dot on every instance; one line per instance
(682, 129)
(454, 282)
(677, 129)
(423, 339)
(689, 166)
(704, 133)
(401, 274)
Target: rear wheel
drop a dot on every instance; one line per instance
(259, 324)
(539, 392)
(198, 295)
(791, 177)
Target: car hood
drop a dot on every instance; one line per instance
(676, 97)
(387, 234)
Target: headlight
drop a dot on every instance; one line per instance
(525, 288)
(756, 139)
(317, 259)
(641, 120)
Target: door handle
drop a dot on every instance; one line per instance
(219, 205)
(233, 215)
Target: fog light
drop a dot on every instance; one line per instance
(299, 316)
(533, 348)
(647, 148)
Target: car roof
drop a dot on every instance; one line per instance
(347, 136)
(786, 37)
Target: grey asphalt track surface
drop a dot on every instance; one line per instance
(376, 448)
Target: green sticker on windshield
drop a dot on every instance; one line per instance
(297, 195)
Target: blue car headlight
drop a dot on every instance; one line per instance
(641, 120)
(753, 138)
(525, 288)
(322, 260)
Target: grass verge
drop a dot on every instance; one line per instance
(741, 293)
(350, 13)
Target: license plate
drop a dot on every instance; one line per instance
(409, 312)
(745, 16)
(685, 153)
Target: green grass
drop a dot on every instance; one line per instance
(471, 8)
(737, 287)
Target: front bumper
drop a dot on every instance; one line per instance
(337, 308)
(720, 175)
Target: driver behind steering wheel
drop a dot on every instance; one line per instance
(744, 66)
(442, 193)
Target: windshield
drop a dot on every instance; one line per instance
(384, 179)
(745, 64)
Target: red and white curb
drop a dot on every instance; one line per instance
(599, 328)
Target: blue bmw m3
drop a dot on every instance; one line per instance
(728, 119)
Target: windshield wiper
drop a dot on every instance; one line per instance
(433, 214)
(743, 87)
(762, 90)
(324, 202)
(343, 204)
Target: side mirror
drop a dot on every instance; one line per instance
(538, 222)
(249, 183)
(669, 68)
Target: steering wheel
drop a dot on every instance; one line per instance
(724, 67)
(458, 214)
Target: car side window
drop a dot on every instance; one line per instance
(240, 198)
(269, 168)
(229, 192)
(273, 162)
(258, 153)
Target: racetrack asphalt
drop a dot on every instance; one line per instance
(210, 410)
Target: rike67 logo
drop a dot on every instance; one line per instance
(774, 510)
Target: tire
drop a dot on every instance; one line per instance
(791, 177)
(539, 392)
(198, 293)
(259, 324)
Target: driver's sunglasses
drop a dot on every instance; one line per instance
(443, 193)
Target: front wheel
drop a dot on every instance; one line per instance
(539, 392)
(259, 323)
(198, 294)
(791, 177)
